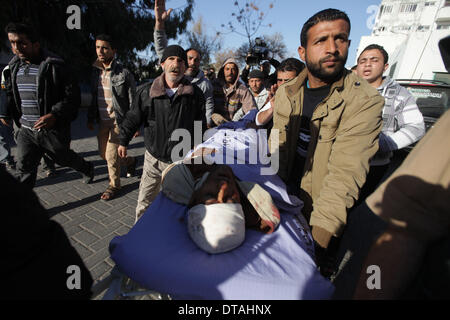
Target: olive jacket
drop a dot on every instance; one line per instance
(344, 136)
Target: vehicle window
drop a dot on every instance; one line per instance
(432, 101)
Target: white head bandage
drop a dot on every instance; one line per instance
(217, 228)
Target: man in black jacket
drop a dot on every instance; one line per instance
(171, 102)
(42, 101)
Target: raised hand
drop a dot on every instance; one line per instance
(272, 92)
(161, 14)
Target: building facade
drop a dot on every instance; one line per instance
(410, 31)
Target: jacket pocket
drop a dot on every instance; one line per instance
(327, 133)
(284, 110)
(118, 84)
(329, 126)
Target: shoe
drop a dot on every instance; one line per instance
(51, 173)
(131, 169)
(109, 194)
(89, 178)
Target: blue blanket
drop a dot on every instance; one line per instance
(159, 254)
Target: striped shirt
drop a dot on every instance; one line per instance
(403, 122)
(27, 86)
(104, 95)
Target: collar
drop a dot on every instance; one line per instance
(41, 57)
(199, 76)
(294, 86)
(97, 64)
(158, 88)
(45, 57)
(262, 93)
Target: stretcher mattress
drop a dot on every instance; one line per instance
(159, 254)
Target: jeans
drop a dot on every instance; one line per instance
(47, 163)
(31, 146)
(6, 141)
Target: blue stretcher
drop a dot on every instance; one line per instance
(157, 253)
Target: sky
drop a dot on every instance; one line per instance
(286, 17)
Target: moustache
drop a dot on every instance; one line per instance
(174, 69)
(336, 57)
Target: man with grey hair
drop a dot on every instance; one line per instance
(171, 102)
(193, 72)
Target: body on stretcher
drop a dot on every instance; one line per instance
(158, 253)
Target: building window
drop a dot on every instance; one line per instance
(408, 8)
(402, 28)
(423, 28)
(447, 3)
(385, 9)
(443, 27)
(430, 4)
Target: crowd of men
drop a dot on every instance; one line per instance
(337, 129)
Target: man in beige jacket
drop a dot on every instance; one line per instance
(328, 121)
(232, 99)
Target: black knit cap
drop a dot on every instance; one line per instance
(174, 51)
(256, 74)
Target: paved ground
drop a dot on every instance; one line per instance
(89, 222)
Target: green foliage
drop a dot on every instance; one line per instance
(130, 23)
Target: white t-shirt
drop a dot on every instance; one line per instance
(266, 107)
(171, 92)
(261, 98)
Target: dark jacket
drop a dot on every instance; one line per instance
(123, 89)
(162, 115)
(57, 92)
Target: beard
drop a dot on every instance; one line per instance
(230, 79)
(191, 71)
(319, 71)
(174, 78)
